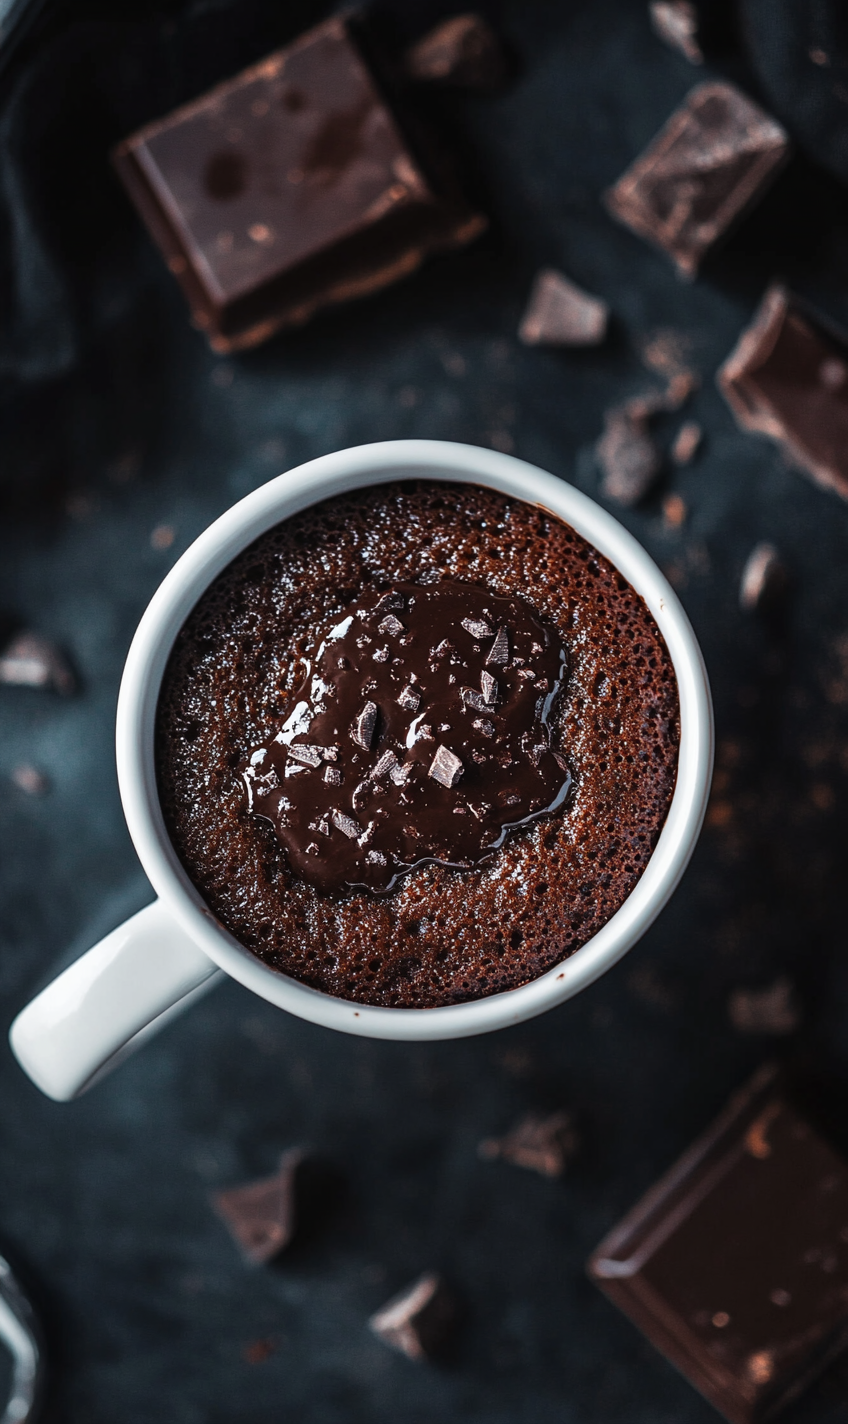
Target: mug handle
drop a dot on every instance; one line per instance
(109, 1002)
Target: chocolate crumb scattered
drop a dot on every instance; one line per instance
(417, 1320)
(764, 580)
(559, 313)
(773, 1010)
(676, 22)
(365, 726)
(686, 442)
(541, 1144)
(30, 660)
(499, 651)
(463, 51)
(446, 768)
(261, 1215)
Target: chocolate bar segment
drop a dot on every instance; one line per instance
(287, 189)
(714, 156)
(788, 379)
(735, 1265)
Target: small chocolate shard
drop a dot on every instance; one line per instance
(360, 795)
(386, 764)
(365, 726)
(675, 511)
(332, 776)
(489, 687)
(392, 602)
(482, 724)
(712, 158)
(788, 379)
(764, 580)
(446, 768)
(686, 442)
(260, 1215)
(627, 455)
(463, 52)
(418, 1320)
(306, 755)
(676, 22)
(477, 628)
(30, 780)
(773, 1010)
(541, 1144)
(391, 625)
(30, 660)
(499, 651)
(346, 825)
(400, 774)
(381, 655)
(329, 753)
(375, 857)
(409, 699)
(474, 699)
(559, 313)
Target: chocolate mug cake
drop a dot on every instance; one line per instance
(417, 743)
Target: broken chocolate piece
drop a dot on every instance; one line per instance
(559, 313)
(711, 160)
(489, 687)
(676, 22)
(735, 1265)
(788, 379)
(390, 624)
(773, 1010)
(446, 768)
(32, 661)
(286, 189)
(332, 776)
(541, 1144)
(764, 580)
(365, 726)
(306, 755)
(409, 699)
(463, 51)
(477, 627)
(391, 602)
(261, 1215)
(627, 455)
(418, 1319)
(346, 824)
(686, 442)
(499, 651)
(388, 761)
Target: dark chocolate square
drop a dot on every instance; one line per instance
(287, 188)
(735, 1265)
(708, 163)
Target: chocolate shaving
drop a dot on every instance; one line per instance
(541, 1144)
(261, 1215)
(365, 726)
(418, 1319)
(32, 661)
(391, 625)
(446, 768)
(559, 313)
(306, 755)
(477, 628)
(499, 651)
(346, 825)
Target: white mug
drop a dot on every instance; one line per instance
(153, 966)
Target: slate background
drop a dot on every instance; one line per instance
(114, 420)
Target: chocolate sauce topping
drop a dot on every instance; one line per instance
(422, 731)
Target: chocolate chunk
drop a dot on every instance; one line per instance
(477, 627)
(332, 776)
(261, 1215)
(627, 455)
(676, 22)
(392, 602)
(446, 768)
(307, 756)
(365, 726)
(711, 160)
(388, 761)
(735, 1265)
(418, 1320)
(499, 651)
(32, 661)
(559, 313)
(489, 687)
(541, 1144)
(346, 825)
(381, 655)
(472, 698)
(409, 699)
(788, 379)
(463, 51)
(764, 580)
(390, 624)
(482, 724)
(286, 189)
(686, 442)
(400, 774)
(773, 1010)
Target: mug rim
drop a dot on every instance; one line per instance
(288, 494)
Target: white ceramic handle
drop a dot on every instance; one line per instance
(116, 996)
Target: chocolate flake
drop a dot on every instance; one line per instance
(482, 724)
(306, 755)
(409, 699)
(392, 625)
(541, 1144)
(499, 651)
(400, 774)
(463, 51)
(676, 22)
(418, 1319)
(346, 825)
(627, 455)
(489, 686)
(261, 1215)
(385, 765)
(477, 628)
(773, 1010)
(390, 603)
(712, 158)
(472, 698)
(332, 776)
(380, 655)
(375, 857)
(30, 660)
(559, 313)
(365, 726)
(446, 768)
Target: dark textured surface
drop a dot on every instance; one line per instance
(104, 1201)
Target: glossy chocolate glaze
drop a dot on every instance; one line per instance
(422, 731)
(441, 935)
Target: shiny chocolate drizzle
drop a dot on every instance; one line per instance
(422, 731)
